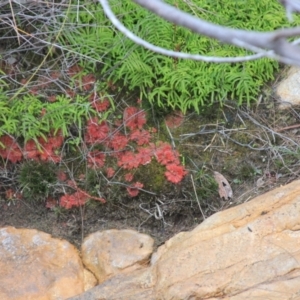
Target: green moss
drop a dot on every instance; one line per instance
(247, 171)
(153, 177)
(206, 184)
(37, 179)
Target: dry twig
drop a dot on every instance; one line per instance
(264, 44)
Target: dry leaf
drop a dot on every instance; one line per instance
(260, 182)
(225, 190)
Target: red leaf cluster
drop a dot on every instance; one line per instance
(175, 173)
(133, 190)
(96, 132)
(52, 98)
(87, 82)
(174, 119)
(98, 103)
(74, 70)
(70, 93)
(12, 150)
(144, 155)
(118, 142)
(128, 160)
(166, 155)
(82, 82)
(134, 118)
(75, 200)
(128, 177)
(10, 194)
(61, 176)
(51, 202)
(46, 150)
(141, 137)
(110, 172)
(96, 159)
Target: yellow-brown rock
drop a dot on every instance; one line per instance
(288, 89)
(251, 251)
(136, 285)
(89, 279)
(110, 252)
(35, 266)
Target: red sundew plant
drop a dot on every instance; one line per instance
(128, 160)
(52, 98)
(55, 75)
(133, 190)
(134, 118)
(141, 137)
(10, 194)
(70, 93)
(165, 155)
(96, 132)
(128, 177)
(75, 200)
(175, 173)
(56, 140)
(87, 82)
(96, 159)
(74, 70)
(11, 151)
(118, 142)
(110, 172)
(78, 198)
(98, 103)
(51, 202)
(174, 119)
(61, 176)
(46, 150)
(144, 155)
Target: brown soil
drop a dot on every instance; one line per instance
(76, 224)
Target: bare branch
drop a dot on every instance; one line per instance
(172, 53)
(269, 44)
(290, 7)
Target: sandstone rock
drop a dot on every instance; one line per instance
(136, 285)
(89, 279)
(251, 251)
(33, 265)
(110, 252)
(289, 89)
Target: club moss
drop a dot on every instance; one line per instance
(36, 179)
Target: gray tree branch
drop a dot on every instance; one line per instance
(269, 44)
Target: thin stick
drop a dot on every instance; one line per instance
(197, 197)
(15, 26)
(289, 127)
(171, 137)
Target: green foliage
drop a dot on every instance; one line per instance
(30, 118)
(156, 180)
(36, 179)
(206, 184)
(246, 171)
(170, 82)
